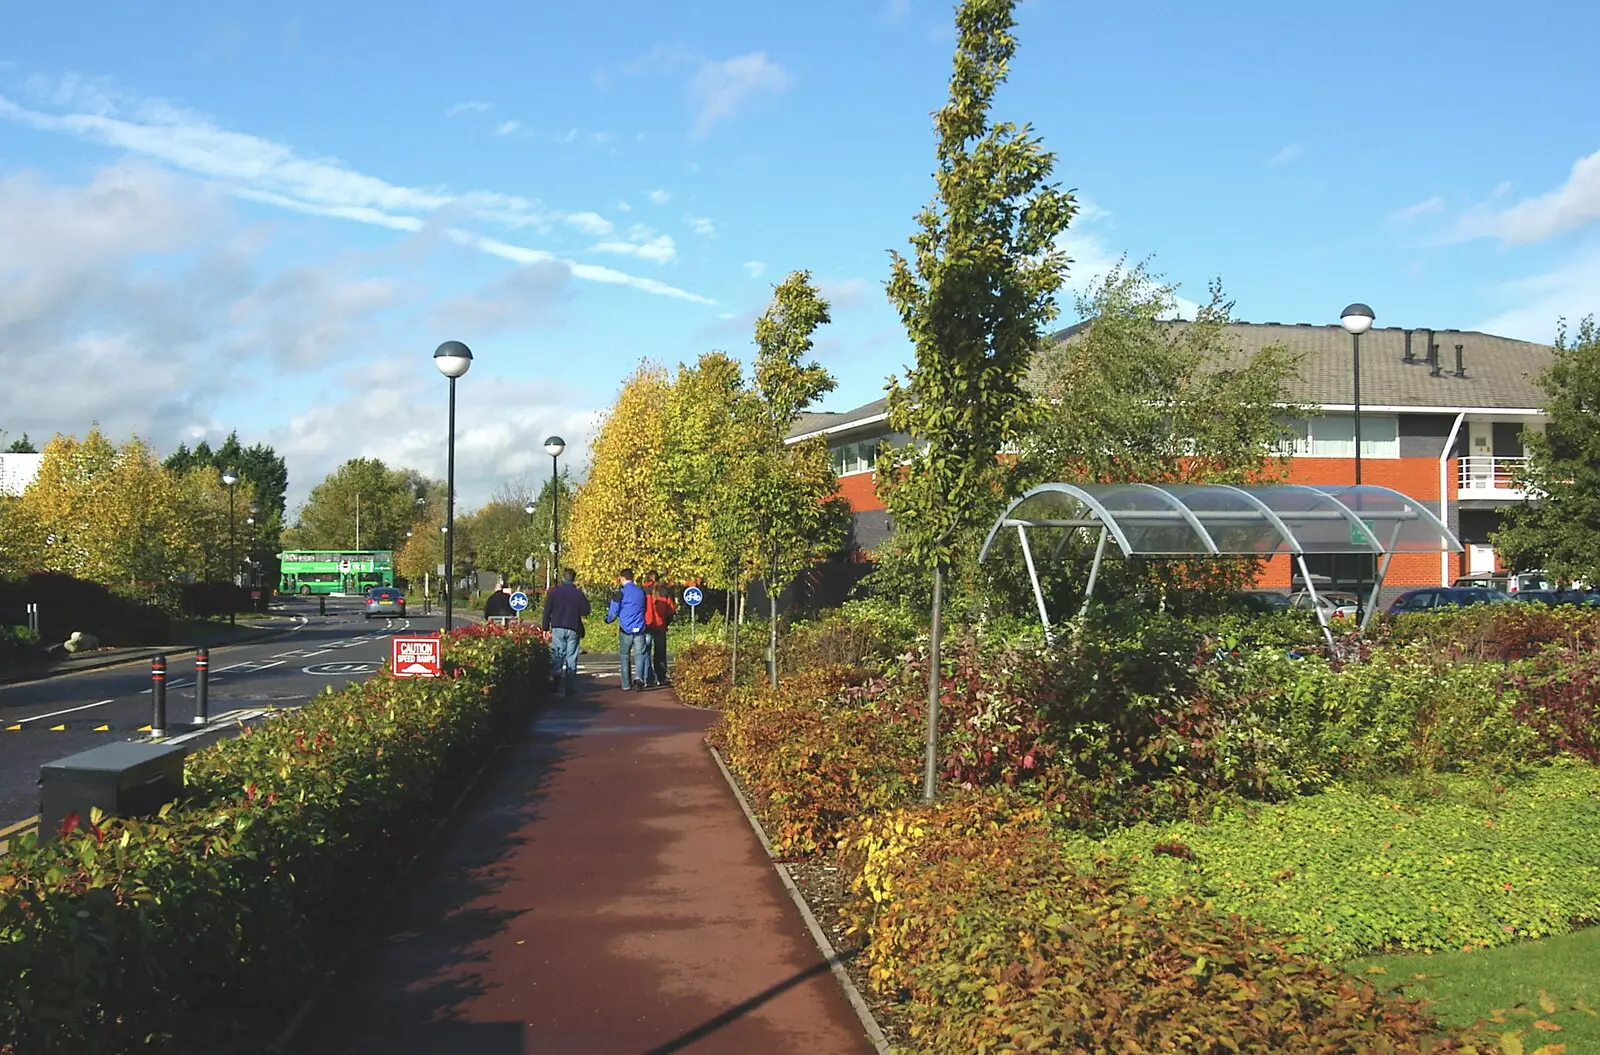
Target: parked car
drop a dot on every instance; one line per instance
(1262, 600)
(1505, 582)
(1335, 604)
(1446, 597)
(385, 601)
(1555, 597)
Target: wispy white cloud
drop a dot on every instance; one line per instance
(643, 244)
(505, 128)
(1092, 262)
(1575, 204)
(896, 10)
(1421, 208)
(592, 224)
(754, 268)
(466, 108)
(702, 226)
(623, 206)
(273, 173)
(1570, 291)
(720, 89)
(1287, 154)
(844, 293)
(659, 197)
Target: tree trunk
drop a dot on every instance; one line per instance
(772, 627)
(930, 762)
(733, 622)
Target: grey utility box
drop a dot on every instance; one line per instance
(129, 778)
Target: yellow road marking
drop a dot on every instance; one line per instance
(13, 728)
(58, 728)
(102, 728)
(20, 826)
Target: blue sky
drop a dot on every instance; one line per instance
(267, 220)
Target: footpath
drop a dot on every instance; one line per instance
(599, 892)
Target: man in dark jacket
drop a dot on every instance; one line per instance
(498, 604)
(627, 611)
(564, 609)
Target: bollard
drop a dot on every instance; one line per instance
(202, 676)
(158, 696)
(322, 604)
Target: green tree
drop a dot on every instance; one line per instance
(1558, 528)
(259, 464)
(785, 507)
(100, 512)
(974, 297)
(505, 534)
(362, 501)
(618, 513)
(1135, 396)
(697, 458)
(22, 445)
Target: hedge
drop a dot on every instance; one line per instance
(199, 929)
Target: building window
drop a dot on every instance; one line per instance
(1334, 436)
(857, 457)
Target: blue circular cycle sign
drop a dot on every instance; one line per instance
(692, 596)
(519, 601)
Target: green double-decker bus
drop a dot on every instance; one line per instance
(329, 571)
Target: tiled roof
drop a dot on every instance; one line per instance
(1499, 371)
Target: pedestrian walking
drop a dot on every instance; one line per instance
(497, 607)
(658, 612)
(565, 607)
(627, 610)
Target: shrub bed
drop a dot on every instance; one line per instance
(198, 929)
(700, 674)
(996, 941)
(1464, 865)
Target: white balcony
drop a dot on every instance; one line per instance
(1483, 476)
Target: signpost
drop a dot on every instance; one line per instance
(416, 657)
(519, 601)
(692, 597)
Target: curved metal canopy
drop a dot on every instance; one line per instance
(1198, 520)
(1215, 520)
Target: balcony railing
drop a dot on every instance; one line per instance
(1487, 474)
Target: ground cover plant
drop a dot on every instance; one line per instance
(195, 930)
(1380, 797)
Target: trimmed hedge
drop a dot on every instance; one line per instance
(995, 942)
(700, 674)
(197, 930)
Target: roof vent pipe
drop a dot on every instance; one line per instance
(1461, 366)
(1434, 369)
(1410, 358)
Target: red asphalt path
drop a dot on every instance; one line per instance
(601, 892)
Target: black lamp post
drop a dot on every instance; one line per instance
(230, 477)
(1356, 320)
(553, 447)
(453, 359)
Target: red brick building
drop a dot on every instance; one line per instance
(1442, 418)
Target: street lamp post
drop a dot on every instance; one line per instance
(229, 478)
(1356, 320)
(553, 447)
(453, 359)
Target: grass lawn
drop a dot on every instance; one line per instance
(1462, 986)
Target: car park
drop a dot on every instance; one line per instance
(1438, 597)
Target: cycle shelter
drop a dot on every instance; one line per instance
(1222, 520)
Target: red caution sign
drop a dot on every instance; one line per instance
(416, 657)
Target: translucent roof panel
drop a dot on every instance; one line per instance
(1317, 520)
(1220, 519)
(1398, 522)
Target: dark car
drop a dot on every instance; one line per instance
(1437, 597)
(385, 601)
(1555, 597)
(1261, 600)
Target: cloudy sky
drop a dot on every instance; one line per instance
(267, 220)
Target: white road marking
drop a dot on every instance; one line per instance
(69, 710)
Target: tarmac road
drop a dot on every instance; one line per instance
(46, 720)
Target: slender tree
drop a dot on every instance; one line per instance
(787, 502)
(1558, 528)
(974, 296)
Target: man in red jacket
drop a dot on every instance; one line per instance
(658, 611)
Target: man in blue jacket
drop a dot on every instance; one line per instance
(627, 611)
